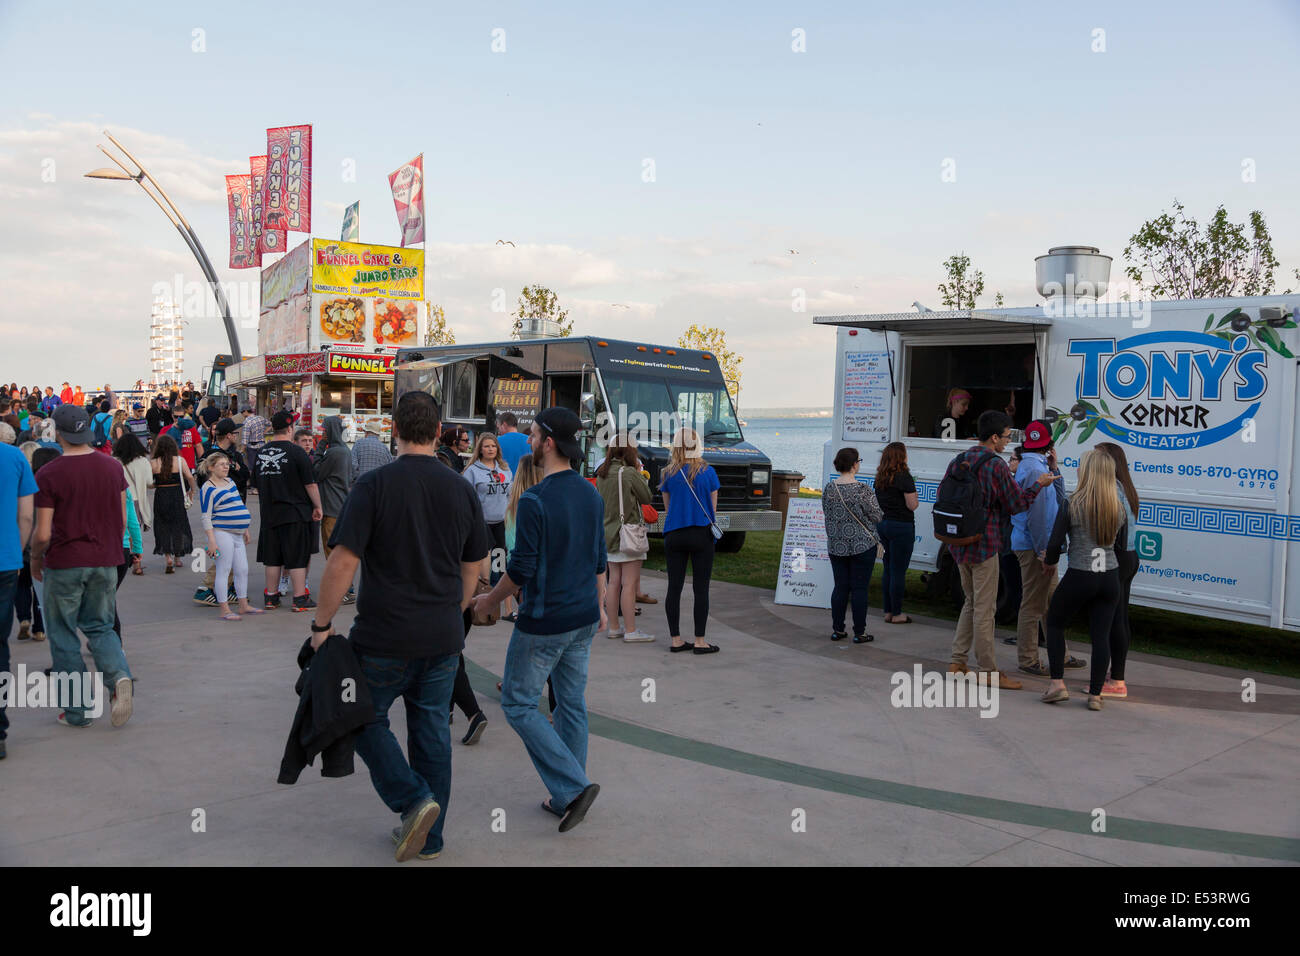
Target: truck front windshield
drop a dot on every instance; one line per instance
(653, 408)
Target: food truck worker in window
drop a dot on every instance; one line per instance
(958, 405)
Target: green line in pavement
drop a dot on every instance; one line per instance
(927, 798)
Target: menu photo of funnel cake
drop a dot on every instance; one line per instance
(395, 322)
(344, 319)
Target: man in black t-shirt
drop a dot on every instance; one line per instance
(210, 414)
(290, 501)
(416, 529)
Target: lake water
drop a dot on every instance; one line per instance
(792, 444)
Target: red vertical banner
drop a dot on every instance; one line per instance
(408, 196)
(272, 240)
(239, 206)
(288, 179)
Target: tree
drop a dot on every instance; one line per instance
(1171, 258)
(539, 302)
(714, 341)
(438, 332)
(961, 291)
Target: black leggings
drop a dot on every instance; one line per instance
(1120, 632)
(462, 694)
(121, 576)
(693, 543)
(1096, 592)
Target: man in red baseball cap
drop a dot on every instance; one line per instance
(1029, 533)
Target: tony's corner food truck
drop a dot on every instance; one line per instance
(1201, 395)
(642, 388)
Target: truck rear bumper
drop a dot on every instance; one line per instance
(736, 521)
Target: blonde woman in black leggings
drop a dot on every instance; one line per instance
(690, 491)
(1092, 519)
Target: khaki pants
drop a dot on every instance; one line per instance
(326, 529)
(1037, 589)
(979, 582)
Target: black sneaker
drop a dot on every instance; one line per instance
(271, 600)
(477, 724)
(304, 603)
(206, 597)
(350, 597)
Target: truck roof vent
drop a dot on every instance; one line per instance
(1077, 271)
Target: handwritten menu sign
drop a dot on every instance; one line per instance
(868, 399)
(805, 577)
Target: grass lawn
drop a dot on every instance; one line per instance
(1155, 631)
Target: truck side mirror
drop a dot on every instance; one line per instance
(588, 405)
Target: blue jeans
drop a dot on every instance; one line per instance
(424, 684)
(899, 538)
(8, 588)
(852, 577)
(84, 598)
(558, 752)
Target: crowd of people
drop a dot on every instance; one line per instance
(443, 535)
(1027, 523)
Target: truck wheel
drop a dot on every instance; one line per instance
(945, 582)
(731, 542)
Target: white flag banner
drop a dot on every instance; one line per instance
(352, 223)
(408, 197)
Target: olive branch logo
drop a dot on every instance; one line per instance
(1263, 333)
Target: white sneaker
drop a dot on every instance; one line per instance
(284, 585)
(637, 637)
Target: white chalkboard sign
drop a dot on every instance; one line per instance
(868, 399)
(805, 578)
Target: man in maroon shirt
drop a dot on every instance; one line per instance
(978, 563)
(80, 520)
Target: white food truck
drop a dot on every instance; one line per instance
(1201, 395)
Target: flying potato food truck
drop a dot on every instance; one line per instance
(612, 386)
(1201, 395)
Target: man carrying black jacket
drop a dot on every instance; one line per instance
(416, 529)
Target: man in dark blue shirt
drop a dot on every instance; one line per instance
(559, 563)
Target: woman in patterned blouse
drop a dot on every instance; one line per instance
(852, 513)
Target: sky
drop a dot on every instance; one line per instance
(656, 166)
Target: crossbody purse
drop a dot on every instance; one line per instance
(717, 532)
(632, 538)
(870, 534)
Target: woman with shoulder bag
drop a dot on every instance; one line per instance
(851, 512)
(690, 491)
(624, 490)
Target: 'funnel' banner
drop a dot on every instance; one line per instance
(288, 178)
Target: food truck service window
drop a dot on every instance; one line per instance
(960, 383)
(335, 395)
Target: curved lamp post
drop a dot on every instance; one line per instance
(176, 219)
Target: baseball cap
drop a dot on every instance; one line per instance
(73, 424)
(1037, 436)
(136, 407)
(281, 420)
(225, 427)
(564, 426)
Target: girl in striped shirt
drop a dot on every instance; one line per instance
(226, 520)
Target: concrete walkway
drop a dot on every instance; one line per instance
(782, 749)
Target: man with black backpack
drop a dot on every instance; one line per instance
(972, 515)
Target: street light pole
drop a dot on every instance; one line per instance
(175, 217)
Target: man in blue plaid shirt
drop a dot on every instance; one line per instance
(978, 563)
(369, 452)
